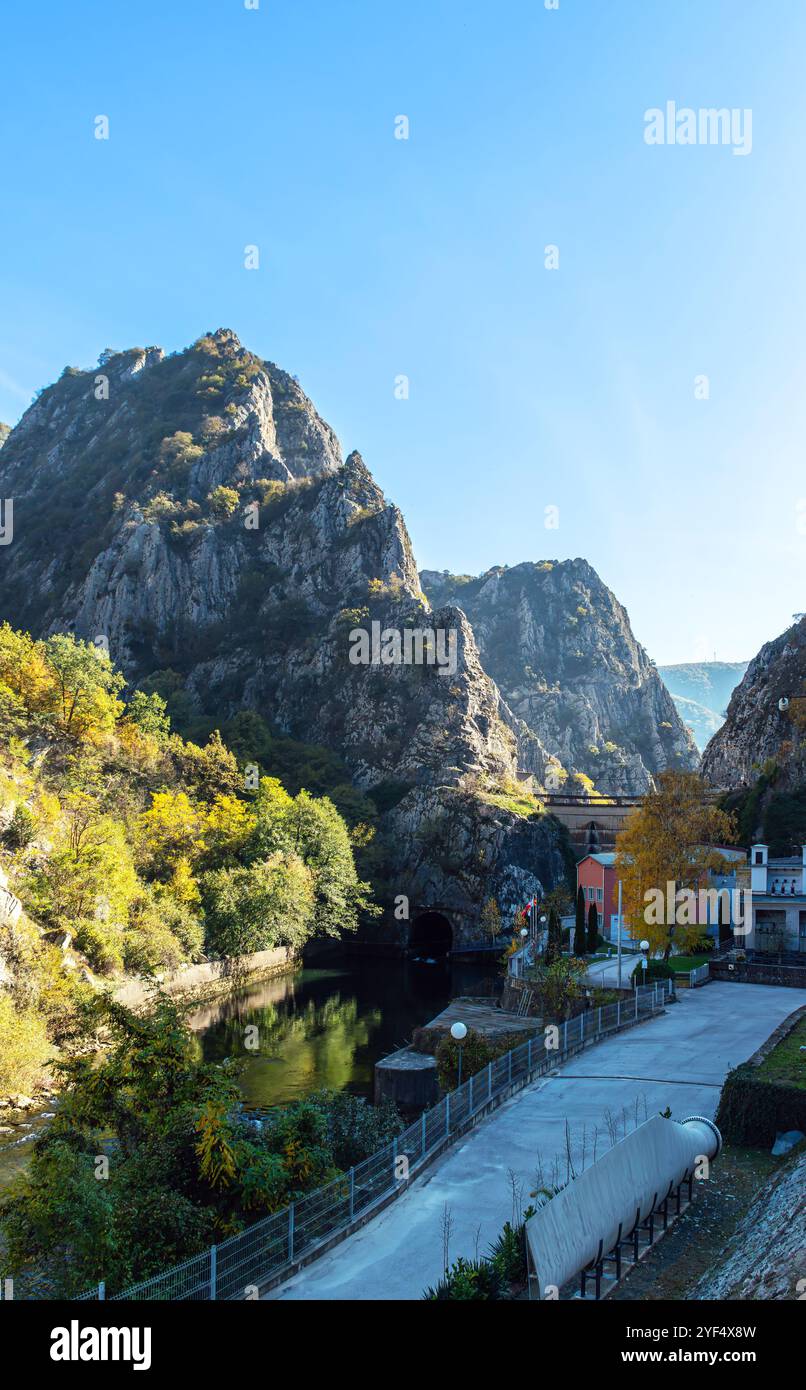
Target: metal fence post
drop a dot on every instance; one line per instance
(102, 1290)
(618, 1013)
(582, 1027)
(213, 1272)
(447, 1114)
(291, 1233)
(529, 1059)
(352, 1194)
(489, 1080)
(470, 1093)
(600, 1018)
(422, 1125)
(565, 1036)
(636, 1003)
(509, 1080)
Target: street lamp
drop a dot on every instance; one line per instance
(644, 961)
(459, 1033)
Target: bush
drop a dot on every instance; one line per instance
(656, 970)
(477, 1053)
(752, 1111)
(355, 1130)
(24, 1047)
(21, 828)
(468, 1280)
(102, 944)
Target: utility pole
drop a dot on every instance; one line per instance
(618, 929)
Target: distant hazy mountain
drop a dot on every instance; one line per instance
(701, 690)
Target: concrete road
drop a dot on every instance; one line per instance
(604, 973)
(678, 1060)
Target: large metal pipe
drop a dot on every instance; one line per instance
(602, 1206)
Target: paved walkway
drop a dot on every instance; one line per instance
(679, 1060)
(605, 972)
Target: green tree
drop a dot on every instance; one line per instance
(149, 714)
(593, 929)
(554, 943)
(88, 684)
(580, 943)
(269, 904)
(490, 920)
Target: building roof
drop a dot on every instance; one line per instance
(607, 859)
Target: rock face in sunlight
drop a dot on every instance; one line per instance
(560, 647)
(755, 729)
(194, 513)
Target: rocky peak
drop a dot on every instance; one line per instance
(755, 729)
(561, 649)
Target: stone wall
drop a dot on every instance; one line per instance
(756, 973)
(210, 976)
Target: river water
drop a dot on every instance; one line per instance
(318, 1027)
(328, 1026)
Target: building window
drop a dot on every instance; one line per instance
(759, 856)
(599, 894)
(591, 892)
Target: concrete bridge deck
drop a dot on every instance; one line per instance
(678, 1060)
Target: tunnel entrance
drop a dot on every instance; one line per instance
(431, 935)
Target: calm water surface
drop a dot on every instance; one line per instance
(319, 1027)
(328, 1027)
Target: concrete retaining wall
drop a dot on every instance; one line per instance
(209, 977)
(756, 973)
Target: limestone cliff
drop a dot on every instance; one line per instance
(755, 730)
(193, 512)
(560, 647)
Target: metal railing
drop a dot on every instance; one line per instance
(699, 975)
(240, 1266)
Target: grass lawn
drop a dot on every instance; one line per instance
(786, 1063)
(682, 964)
(519, 804)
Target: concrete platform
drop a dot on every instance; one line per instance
(679, 1059)
(484, 1018)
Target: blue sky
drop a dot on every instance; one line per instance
(529, 388)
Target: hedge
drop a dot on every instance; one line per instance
(752, 1111)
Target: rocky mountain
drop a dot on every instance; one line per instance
(193, 514)
(701, 691)
(755, 730)
(560, 648)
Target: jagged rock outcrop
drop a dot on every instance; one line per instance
(755, 730)
(560, 648)
(195, 514)
(5, 431)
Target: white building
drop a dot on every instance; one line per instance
(778, 887)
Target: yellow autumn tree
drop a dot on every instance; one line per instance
(170, 830)
(671, 839)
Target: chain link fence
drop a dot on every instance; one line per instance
(244, 1264)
